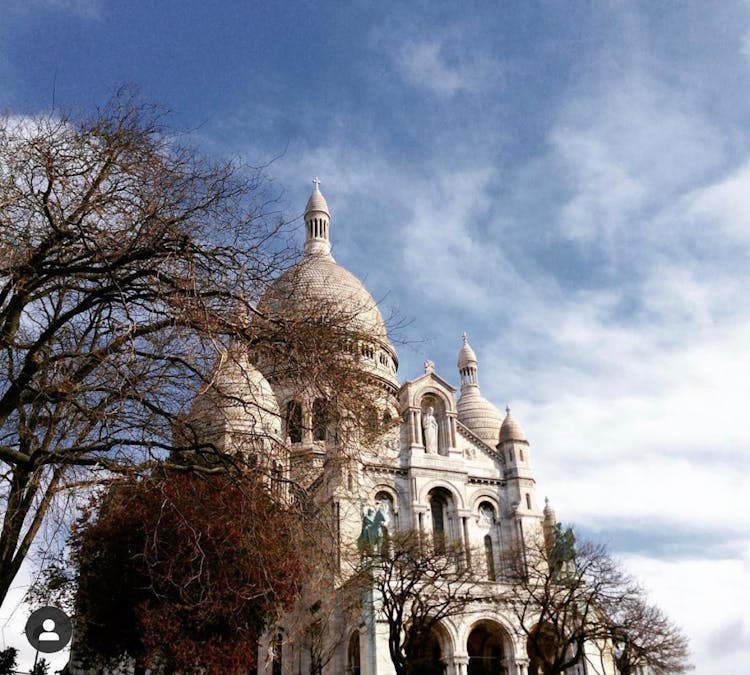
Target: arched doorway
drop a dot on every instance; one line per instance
(542, 646)
(486, 648)
(426, 659)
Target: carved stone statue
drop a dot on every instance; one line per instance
(370, 539)
(430, 428)
(486, 515)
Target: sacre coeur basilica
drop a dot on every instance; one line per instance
(454, 467)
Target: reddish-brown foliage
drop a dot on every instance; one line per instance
(183, 572)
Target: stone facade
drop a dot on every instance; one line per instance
(454, 464)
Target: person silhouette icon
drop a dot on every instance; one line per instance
(48, 629)
(49, 634)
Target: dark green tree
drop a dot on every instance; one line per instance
(8, 659)
(41, 667)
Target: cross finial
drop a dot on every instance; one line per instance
(316, 182)
(465, 337)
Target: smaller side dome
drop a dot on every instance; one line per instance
(549, 524)
(510, 429)
(549, 513)
(238, 399)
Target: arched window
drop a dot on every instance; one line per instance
(439, 502)
(438, 523)
(277, 475)
(486, 514)
(320, 419)
(489, 557)
(294, 421)
(352, 666)
(385, 500)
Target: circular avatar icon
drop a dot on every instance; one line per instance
(48, 629)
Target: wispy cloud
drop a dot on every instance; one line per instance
(432, 64)
(615, 319)
(625, 149)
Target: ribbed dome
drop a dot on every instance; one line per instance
(510, 430)
(238, 399)
(318, 277)
(318, 280)
(480, 416)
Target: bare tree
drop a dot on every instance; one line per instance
(415, 586)
(128, 266)
(316, 624)
(558, 591)
(573, 601)
(643, 636)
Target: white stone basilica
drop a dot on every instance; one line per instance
(455, 466)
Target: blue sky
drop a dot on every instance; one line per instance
(568, 182)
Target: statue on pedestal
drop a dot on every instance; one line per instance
(370, 539)
(430, 429)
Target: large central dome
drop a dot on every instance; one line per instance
(318, 281)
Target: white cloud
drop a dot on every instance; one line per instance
(708, 598)
(623, 150)
(722, 208)
(432, 65)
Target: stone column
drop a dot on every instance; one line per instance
(461, 665)
(418, 427)
(467, 543)
(415, 427)
(452, 429)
